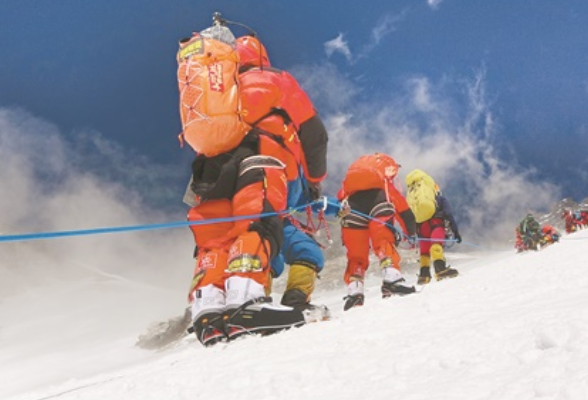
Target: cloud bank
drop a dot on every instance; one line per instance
(50, 184)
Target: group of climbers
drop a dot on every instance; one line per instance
(260, 150)
(531, 235)
(575, 220)
(372, 203)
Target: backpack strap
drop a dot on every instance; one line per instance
(279, 112)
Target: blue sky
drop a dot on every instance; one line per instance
(490, 92)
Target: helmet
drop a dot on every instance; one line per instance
(252, 52)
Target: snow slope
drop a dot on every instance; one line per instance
(513, 326)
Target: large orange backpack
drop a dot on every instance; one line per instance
(372, 171)
(209, 93)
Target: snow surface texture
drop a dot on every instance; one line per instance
(512, 326)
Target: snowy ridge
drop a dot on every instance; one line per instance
(513, 326)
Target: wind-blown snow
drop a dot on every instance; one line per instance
(513, 326)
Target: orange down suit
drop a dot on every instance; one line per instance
(375, 203)
(250, 180)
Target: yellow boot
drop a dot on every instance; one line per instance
(300, 285)
(442, 271)
(425, 272)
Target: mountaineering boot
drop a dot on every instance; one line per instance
(398, 288)
(299, 288)
(209, 329)
(297, 299)
(249, 311)
(424, 276)
(207, 306)
(300, 285)
(260, 316)
(394, 284)
(353, 300)
(442, 271)
(355, 297)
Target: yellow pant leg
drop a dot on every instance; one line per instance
(437, 252)
(300, 285)
(425, 261)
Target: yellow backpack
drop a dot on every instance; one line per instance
(420, 196)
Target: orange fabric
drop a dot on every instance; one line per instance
(248, 257)
(210, 269)
(250, 199)
(205, 233)
(247, 201)
(295, 100)
(382, 240)
(245, 248)
(209, 98)
(375, 171)
(290, 156)
(372, 171)
(262, 90)
(251, 51)
(276, 188)
(357, 243)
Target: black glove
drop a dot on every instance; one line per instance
(314, 191)
(457, 237)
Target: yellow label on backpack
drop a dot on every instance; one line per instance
(420, 196)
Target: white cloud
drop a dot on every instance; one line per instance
(434, 4)
(384, 26)
(338, 45)
(46, 187)
(446, 128)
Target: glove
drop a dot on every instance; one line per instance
(314, 191)
(457, 237)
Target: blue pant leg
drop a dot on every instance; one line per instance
(298, 246)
